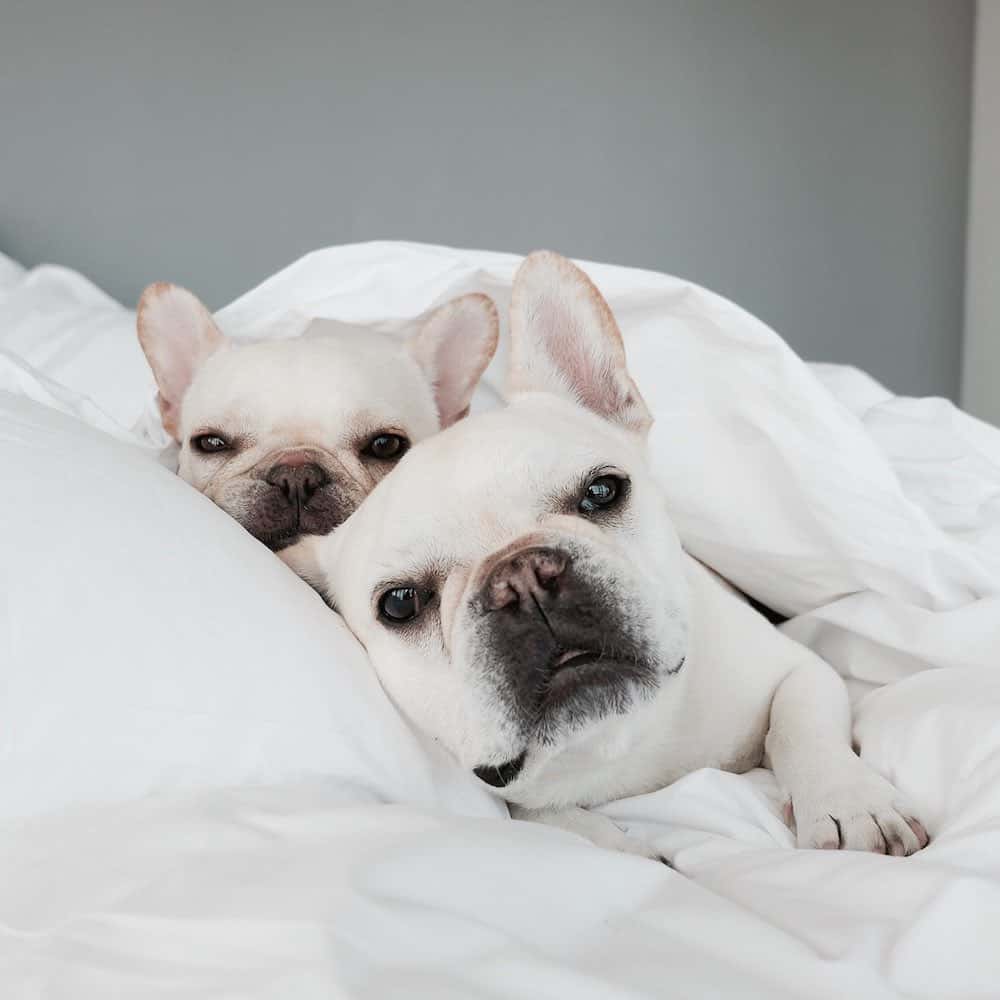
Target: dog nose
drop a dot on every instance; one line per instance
(298, 483)
(529, 574)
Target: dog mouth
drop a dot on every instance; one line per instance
(574, 671)
(585, 683)
(565, 675)
(277, 523)
(570, 658)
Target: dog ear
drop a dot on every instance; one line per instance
(453, 347)
(565, 340)
(177, 333)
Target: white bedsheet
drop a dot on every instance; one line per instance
(292, 892)
(873, 520)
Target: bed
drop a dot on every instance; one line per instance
(204, 793)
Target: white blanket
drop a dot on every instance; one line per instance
(295, 892)
(873, 520)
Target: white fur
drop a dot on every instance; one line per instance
(745, 693)
(328, 392)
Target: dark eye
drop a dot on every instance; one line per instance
(402, 604)
(386, 446)
(602, 493)
(209, 443)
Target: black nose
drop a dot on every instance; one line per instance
(298, 483)
(529, 575)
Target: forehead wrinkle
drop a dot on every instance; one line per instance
(255, 421)
(442, 544)
(336, 422)
(392, 573)
(361, 423)
(463, 548)
(233, 419)
(321, 367)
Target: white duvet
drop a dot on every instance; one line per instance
(204, 793)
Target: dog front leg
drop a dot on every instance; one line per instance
(595, 827)
(837, 800)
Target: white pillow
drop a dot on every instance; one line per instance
(147, 642)
(67, 329)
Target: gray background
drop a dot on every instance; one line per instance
(807, 159)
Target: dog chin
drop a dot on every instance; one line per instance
(582, 690)
(586, 687)
(278, 542)
(285, 533)
(279, 539)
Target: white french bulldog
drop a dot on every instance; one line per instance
(525, 600)
(289, 436)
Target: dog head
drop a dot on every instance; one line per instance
(290, 436)
(517, 582)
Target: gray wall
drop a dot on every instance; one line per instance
(981, 361)
(807, 159)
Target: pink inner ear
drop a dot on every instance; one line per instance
(177, 334)
(170, 416)
(451, 381)
(453, 348)
(565, 339)
(590, 364)
(458, 362)
(174, 372)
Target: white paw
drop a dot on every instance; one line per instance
(854, 809)
(616, 839)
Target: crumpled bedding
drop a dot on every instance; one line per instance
(296, 891)
(872, 521)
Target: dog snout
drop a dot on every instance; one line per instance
(526, 576)
(298, 481)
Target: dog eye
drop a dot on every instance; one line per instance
(209, 443)
(602, 493)
(386, 446)
(402, 604)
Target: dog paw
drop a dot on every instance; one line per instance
(627, 843)
(609, 835)
(856, 811)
